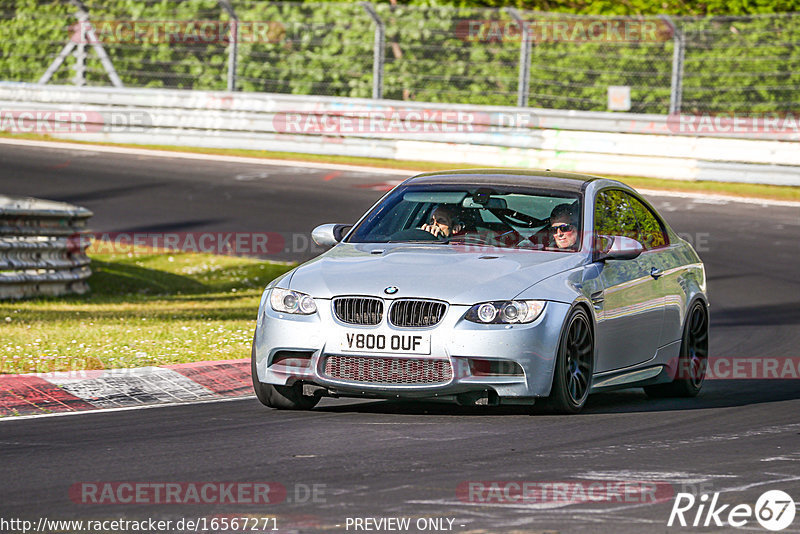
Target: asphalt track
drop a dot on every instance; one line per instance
(384, 459)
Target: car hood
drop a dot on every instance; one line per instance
(454, 274)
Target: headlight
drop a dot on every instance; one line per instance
(287, 301)
(505, 312)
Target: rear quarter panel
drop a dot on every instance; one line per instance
(684, 280)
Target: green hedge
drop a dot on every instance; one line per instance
(641, 7)
(743, 64)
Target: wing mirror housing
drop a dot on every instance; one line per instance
(327, 235)
(616, 247)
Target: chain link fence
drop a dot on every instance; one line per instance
(428, 54)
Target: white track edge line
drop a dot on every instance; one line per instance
(121, 409)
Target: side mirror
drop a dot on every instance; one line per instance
(616, 247)
(327, 235)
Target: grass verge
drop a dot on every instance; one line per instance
(775, 192)
(145, 308)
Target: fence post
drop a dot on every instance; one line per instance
(77, 45)
(678, 51)
(59, 60)
(233, 49)
(80, 58)
(523, 87)
(378, 52)
(88, 35)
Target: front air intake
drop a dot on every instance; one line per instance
(380, 370)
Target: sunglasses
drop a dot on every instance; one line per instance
(563, 227)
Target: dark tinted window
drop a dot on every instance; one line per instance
(619, 213)
(651, 231)
(614, 216)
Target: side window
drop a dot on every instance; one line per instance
(614, 216)
(651, 231)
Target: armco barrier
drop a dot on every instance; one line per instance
(594, 142)
(42, 248)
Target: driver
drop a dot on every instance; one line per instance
(443, 222)
(564, 226)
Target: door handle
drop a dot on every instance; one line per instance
(655, 272)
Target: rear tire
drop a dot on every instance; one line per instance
(572, 378)
(692, 361)
(280, 397)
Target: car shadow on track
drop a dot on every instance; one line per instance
(420, 407)
(715, 394)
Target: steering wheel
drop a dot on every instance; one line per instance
(415, 234)
(529, 244)
(515, 218)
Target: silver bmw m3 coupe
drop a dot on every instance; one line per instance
(488, 287)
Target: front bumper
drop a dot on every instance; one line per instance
(532, 346)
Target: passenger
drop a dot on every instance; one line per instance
(443, 222)
(564, 226)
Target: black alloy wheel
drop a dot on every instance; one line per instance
(693, 359)
(572, 378)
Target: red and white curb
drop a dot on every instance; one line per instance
(73, 391)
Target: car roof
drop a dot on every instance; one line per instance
(561, 181)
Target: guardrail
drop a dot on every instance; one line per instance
(42, 248)
(594, 142)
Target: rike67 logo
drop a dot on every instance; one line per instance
(774, 510)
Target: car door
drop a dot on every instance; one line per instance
(630, 310)
(665, 261)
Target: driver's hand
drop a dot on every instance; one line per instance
(432, 229)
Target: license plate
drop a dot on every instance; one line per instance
(390, 343)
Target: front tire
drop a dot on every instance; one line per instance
(693, 359)
(572, 378)
(280, 397)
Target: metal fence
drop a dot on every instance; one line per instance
(42, 248)
(413, 53)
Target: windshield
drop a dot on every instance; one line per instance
(500, 217)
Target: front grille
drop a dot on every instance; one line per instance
(416, 312)
(376, 370)
(358, 310)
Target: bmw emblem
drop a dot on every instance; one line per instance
(391, 290)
